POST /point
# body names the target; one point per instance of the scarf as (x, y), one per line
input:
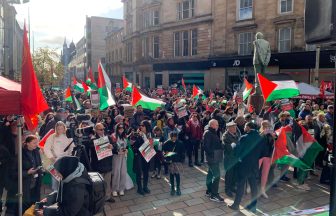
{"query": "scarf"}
(77, 173)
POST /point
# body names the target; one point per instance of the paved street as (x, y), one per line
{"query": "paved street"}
(282, 199)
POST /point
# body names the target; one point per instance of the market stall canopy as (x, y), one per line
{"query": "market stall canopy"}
(311, 92)
(10, 97)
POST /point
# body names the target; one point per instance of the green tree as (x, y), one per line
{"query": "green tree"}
(49, 70)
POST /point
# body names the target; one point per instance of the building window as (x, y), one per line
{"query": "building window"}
(245, 43)
(185, 43)
(185, 9)
(145, 47)
(194, 35)
(156, 47)
(156, 17)
(129, 49)
(284, 40)
(245, 9)
(286, 6)
(177, 44)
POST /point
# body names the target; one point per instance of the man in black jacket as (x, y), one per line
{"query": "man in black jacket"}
(248, 152)
(213, 149)
(73, 196)
(103, 166)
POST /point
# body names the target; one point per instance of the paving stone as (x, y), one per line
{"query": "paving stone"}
(177, 205)
(213, 212)
(117, 211)
(195, 208)
(194, 201)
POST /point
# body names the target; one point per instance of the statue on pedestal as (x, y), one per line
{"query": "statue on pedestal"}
(261, 58)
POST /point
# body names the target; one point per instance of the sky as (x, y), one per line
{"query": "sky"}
(53, 20)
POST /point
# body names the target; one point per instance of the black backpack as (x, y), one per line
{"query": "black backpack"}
(97, 191)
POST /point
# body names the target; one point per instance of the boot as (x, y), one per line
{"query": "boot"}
(172, 186)
(178, 179)
(140, 190)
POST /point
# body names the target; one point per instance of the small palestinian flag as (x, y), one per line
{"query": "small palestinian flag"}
(67, 95)
(144, 101)
(127, 85)
(183, 84)
(277, 89)
(78, 86)
(196, 91)
(247, 89)
(90, 81)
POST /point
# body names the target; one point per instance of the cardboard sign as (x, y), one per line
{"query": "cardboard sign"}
(118, 89)
(159, 90)
(94, 97)
(101, 147)
(147, 151)
(51, 169)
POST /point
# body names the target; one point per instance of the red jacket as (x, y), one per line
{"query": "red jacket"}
(194, 132)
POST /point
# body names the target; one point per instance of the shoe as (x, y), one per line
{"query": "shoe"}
(216, 198)
(158, 177)
(285, 179)
(304, 187)
(229, 194)
(207, 193)
(178, 192)
(233, 207)
(191, 164)
(114, 193)
(154, 175)
(274, 186)
(172, 192)
(251, 208)
(146, 190)
(141, 192)
(121, 193)
(110, 200)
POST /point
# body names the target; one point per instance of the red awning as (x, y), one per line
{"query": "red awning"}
(10, 97)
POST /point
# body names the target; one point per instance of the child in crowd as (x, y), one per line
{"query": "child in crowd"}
(174, 153)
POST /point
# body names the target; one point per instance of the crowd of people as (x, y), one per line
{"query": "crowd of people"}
(215, 132)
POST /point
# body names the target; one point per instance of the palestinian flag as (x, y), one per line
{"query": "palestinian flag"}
(44, 139)
(78, 86)
(67, 95)
(90, 81)
(301, 152)
(86, 88)
(277, 89)
(130, 159)
(183, 84)
(144, 101)
(127, 85)
(246, 89)
(104, 89)
(196, 91)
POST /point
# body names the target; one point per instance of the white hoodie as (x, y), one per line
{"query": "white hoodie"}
(55, 145)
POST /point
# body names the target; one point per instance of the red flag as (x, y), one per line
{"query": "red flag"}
(91, 76)
(136, 96)
(266, 86)
(32, 99)
(44, 139)
(322, 89)
(125, 82)
(183, 84)
(280, 146)
(195, 91)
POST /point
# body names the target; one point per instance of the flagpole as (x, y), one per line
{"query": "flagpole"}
(332, 209)
(20, 191)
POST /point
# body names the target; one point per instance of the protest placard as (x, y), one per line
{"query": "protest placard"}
(147, 151)
(94, 99)
(101, 147)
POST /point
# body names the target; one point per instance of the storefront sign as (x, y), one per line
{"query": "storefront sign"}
(236, 63)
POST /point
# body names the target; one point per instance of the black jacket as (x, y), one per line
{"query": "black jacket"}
(212, 142)
(101, 166)
(249, 152)
(177, 147)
